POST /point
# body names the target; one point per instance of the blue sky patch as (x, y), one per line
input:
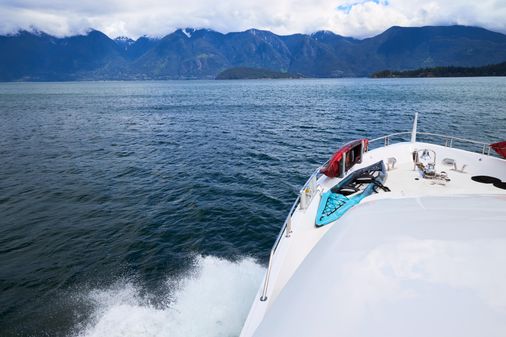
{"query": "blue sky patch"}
(346, 8)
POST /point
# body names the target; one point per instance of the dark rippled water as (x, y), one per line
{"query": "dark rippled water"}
(149, 202)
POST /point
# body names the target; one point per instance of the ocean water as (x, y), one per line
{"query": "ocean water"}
(149, 208)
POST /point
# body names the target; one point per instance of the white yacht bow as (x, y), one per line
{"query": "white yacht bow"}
(424, 257)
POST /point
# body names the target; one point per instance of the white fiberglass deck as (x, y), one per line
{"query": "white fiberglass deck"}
(404, 182)
(424, 266)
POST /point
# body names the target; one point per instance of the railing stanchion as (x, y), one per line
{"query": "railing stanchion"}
(343, 165)
(263, 298)
(414, 129)
(288, 227)
(361, 152)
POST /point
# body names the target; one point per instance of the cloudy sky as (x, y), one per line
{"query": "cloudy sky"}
(133, 18)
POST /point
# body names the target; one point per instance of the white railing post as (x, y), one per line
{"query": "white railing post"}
(343, 165)
(361, 151)
(413, 131)
(288, 227)
(263, 298)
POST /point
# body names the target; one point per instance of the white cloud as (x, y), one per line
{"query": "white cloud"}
(359, 18)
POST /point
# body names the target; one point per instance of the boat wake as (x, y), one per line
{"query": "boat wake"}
(213, 301)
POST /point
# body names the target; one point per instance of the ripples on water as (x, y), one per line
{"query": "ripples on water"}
(112, 194)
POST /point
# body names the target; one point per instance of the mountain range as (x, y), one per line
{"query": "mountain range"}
(203, 53)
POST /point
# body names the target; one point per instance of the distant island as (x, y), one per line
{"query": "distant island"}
(246, 73)
(489, 70)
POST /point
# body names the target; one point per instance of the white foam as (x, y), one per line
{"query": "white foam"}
(214, 301)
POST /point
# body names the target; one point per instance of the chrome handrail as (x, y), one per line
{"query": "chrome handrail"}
(388, 136)
(448, 140)
(287, 228)
(452, 137)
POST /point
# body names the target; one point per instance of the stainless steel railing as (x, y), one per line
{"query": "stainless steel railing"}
(286, 229)
(287, 225)
(448, 140)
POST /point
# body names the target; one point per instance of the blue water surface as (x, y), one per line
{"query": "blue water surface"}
(101, 181)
